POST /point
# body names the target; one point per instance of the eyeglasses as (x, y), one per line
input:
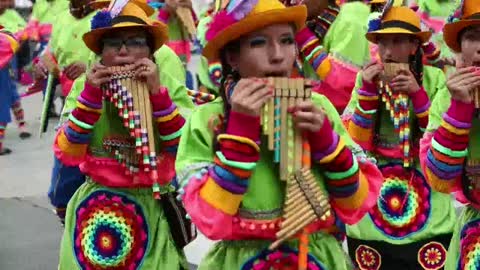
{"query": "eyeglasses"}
(131, 43)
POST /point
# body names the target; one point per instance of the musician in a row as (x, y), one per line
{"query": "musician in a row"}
(387, 116)
(232, 186)
(450, 148)
(123, 135)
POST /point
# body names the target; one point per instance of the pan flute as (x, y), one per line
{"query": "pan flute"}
(398, 106)
(305, 202)
(185, 16)
(476, 98)
(132, 99)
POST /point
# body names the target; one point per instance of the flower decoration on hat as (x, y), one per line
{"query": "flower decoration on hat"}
(374, 24)
(457, 14)
(104, 17)
(228, 13)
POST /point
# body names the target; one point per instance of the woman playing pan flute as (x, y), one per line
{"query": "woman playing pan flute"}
(450, 150)
(387, 115)
(113, 221)
(232, 190)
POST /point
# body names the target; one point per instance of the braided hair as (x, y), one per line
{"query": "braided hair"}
(228, 74)
(416, 64)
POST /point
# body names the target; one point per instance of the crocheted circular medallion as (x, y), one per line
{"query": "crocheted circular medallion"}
(215, 72)
(283, 258)
(432, 256)
(110, 232)
(404, 205)
(367, 258)
(470, 246)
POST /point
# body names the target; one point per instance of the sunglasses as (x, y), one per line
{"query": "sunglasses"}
(131, 43)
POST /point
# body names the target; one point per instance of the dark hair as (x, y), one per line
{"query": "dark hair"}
(227, 74)
(463, 31)
(416, 62)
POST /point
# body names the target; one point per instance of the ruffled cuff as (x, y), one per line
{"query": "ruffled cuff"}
(213, 223)
(351, 210)
(243, 125)
(74, 157)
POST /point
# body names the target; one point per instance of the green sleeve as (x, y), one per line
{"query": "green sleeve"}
(71, 99)
(333, 117)
(36, 9)
(439, 104)
(195, 150)
(170, 63)
(352, 104)
(346, 37)
(172, 76)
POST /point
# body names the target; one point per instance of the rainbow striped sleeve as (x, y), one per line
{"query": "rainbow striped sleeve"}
(313, 51)
(169, 121)
(344, 182)
(227, 179)
(73, 138)
(421, 106)
(361, 125)
(446, 155)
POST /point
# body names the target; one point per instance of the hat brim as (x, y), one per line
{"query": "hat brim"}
(296, 15)
(99, 4)
(93, 38)
(452, 30)
(424, 36)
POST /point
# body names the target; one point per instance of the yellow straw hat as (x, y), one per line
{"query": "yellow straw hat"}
(377, 1)
(467, 15)
(131, 15)
(398, 20)
(100, 4)
(236, 18)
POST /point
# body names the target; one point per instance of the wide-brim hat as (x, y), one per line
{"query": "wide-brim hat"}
(466, 16)
(399, 20)
(100, 4)
(377, 1)
(131, 16)
(245, 17)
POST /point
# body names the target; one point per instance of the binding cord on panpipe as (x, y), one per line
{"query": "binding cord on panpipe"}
(476, 98)
(305, 202)
(132, 99)
(398, 105)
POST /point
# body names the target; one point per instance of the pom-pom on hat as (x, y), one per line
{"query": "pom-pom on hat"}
(125, 14)
(236, 18)
(397, 20)
(468, 14)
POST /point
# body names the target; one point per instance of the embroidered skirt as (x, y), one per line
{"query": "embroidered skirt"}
(464, 250)
(107, 228)
(428, 254)
(325, 253)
